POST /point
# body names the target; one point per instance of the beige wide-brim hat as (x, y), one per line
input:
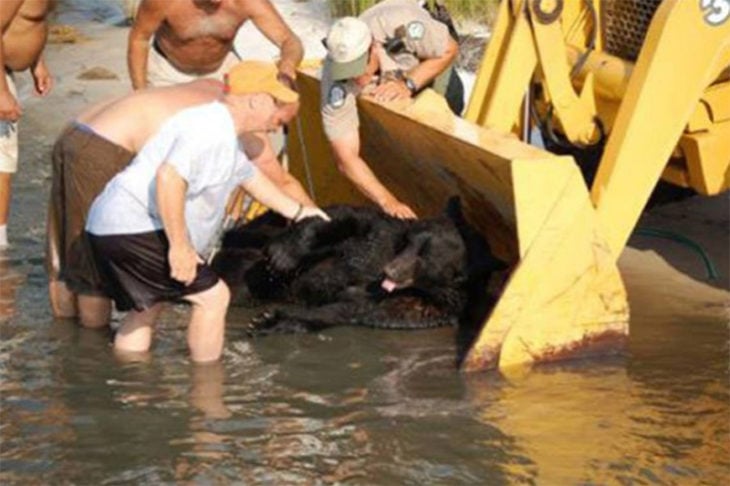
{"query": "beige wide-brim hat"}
(258, 77)
(348, 43)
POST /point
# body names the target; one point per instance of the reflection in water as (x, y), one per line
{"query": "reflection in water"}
(662, 416)
(204, 447)
(206, 392)
(10, 280)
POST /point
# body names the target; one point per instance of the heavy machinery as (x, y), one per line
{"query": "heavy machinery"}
(650, 79)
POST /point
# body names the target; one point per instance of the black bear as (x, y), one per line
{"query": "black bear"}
(361, 268)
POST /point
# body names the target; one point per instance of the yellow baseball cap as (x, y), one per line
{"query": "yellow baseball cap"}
(348, 43)
(258, 77)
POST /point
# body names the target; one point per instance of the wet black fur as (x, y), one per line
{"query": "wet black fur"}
(322, 274)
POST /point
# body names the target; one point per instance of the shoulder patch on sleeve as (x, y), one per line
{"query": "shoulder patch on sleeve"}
(336, 95)
(416, 30)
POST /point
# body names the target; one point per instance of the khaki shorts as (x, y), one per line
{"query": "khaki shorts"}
(83, 163)
(161, 73)
(9, 137)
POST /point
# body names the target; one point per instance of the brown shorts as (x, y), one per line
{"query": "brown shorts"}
(83, 163)
(136, 271)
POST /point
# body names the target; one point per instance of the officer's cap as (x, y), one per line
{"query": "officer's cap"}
(348, 43)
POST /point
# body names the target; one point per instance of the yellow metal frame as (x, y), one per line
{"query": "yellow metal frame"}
(680, 59)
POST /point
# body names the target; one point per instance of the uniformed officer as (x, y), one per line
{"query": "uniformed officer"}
(392, 51)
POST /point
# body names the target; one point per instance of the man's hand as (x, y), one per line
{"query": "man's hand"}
(311, 212)
(391, 90)
(267, 20)
(287, 78)
(9, 107)
(183, 263)
(42, 78)
(398, 210)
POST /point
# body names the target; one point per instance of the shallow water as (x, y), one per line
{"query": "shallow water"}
(366, 406)
(346, 405)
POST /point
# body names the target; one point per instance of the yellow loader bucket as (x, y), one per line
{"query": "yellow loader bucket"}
(564, 296)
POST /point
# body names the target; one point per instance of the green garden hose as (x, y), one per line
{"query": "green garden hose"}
(676, 237)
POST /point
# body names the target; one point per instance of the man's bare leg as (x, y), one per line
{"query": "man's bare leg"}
(95, 311)
(208, 322)
(206, 393)
(5, 180)
(63, 301)
(135, 333)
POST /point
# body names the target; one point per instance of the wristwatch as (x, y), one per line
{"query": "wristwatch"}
(411, 85)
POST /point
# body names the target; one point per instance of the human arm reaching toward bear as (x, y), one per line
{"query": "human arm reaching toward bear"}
(349, 162)
(267, 193)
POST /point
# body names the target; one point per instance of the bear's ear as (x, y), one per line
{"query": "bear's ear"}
(478, 249)
(453, 211)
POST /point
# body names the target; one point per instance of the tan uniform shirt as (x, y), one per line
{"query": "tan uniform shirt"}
(423, 38)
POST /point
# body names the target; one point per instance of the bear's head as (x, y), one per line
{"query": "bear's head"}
(445, 250)
(432, 253)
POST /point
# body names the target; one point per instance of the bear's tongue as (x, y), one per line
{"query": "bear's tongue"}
(388, 285)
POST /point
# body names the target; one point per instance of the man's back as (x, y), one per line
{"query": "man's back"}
(200, 142)
(148, 109)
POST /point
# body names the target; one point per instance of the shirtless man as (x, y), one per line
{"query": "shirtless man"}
(24, 30)
(194, 38)
(182, 40)
(98, 144)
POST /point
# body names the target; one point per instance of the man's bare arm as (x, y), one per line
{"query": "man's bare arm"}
(267, 193)
(171, 188)
(150, 15)
(267, 20)
(429, 69)
(259, 150)
(9, 107)
(349, 163)
(42, 79)
(421, 75)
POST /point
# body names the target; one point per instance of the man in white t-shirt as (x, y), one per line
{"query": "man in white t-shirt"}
(154, 224)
